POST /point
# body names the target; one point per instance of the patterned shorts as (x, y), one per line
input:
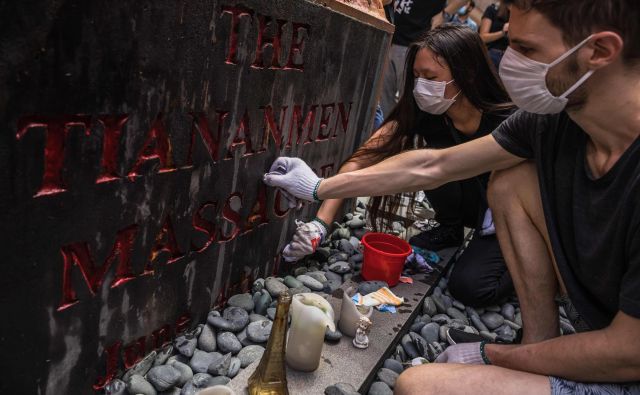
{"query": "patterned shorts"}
(565, 387)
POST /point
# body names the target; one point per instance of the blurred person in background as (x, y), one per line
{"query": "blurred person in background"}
(494, 30)
(462, 16)
(412, 19)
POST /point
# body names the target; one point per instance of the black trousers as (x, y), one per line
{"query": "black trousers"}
(480, 276)
(457, 203)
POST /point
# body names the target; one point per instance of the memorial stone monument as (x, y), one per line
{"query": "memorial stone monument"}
(134, 136)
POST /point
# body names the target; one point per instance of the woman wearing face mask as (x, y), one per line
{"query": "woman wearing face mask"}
(451, 95)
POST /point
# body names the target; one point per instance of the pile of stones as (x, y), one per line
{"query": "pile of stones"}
(215, 352)
(427, 337)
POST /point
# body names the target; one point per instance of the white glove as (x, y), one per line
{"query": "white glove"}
(467, 353)
(295, 177)
(307, 238)
(292, 202)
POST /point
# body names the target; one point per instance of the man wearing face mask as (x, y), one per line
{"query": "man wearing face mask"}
(462, 16)
(565, 198)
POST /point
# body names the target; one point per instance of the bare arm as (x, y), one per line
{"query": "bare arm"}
(420, 169)
(437, 20)
(330, 207)
(485, 27)
(476, 15)
(608, 355)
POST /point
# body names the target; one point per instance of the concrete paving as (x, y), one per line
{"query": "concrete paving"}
(342, 362)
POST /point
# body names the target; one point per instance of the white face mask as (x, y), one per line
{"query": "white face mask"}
(430, 98)
(526, 82)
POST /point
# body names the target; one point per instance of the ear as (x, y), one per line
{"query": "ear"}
(607, 48)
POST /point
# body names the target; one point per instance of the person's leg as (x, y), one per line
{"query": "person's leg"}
(446, 202)
(454, 379)
(472, 204)
(480, 277)
(514, 197)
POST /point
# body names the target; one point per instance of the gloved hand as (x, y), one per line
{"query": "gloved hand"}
(468, 353)
(295, 177)
(307, 238)
(292, 202)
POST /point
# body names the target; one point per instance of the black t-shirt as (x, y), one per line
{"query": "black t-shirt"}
(497, 24)
(594, 224)
(413, 18)
(437, 133)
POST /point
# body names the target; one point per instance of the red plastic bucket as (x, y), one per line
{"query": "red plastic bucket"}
(384, 257)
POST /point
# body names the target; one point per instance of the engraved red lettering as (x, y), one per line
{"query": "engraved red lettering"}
(134, 352)
(258, 215)
(307, 124)
(232, 216)
(274, 42)
(182, 323)
(77, 254)
(236, 12)
(244, 130)
(276, 265)
(277, 204)
(156, 147)
(221, 299)
(165, 243)
(204, 226)
(113, 125)
(113, 353)
(297, 46)
(56, 130)
(325, 118)
(201, 126)
(161, 337)
(271, 128)
(343, 117)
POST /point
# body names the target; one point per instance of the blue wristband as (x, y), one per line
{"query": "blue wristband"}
(485, 359)
(315, 190)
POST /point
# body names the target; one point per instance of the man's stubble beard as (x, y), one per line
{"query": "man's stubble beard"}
(563, 78)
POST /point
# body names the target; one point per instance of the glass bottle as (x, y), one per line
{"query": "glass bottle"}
(270, 377)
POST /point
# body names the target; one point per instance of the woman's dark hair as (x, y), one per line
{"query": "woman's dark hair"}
(463, 51)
